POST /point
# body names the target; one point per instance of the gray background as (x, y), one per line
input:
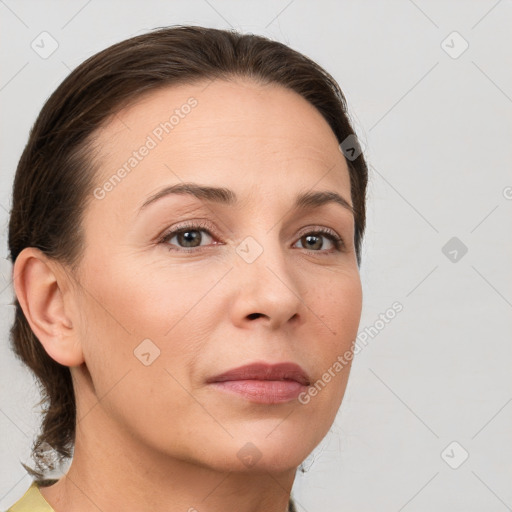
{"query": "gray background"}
(437, 127)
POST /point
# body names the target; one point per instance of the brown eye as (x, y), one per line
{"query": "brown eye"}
(187, 237)
(312, 242)
(315, 241)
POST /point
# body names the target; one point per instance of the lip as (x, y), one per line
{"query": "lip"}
(262, 382)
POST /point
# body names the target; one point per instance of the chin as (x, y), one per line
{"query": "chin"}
(273, 449)
(251, 453)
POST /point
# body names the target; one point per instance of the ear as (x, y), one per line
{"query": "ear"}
(42, 293)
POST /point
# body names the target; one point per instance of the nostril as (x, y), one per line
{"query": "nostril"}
(252, 316)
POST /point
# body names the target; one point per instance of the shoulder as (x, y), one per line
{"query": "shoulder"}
(31, 501)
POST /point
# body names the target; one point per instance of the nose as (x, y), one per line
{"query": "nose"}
(268, 291)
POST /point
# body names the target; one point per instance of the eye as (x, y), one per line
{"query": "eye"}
(313, 241)
(189, 236)
(193, 236)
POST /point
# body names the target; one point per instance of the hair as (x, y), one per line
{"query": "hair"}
(55, 175)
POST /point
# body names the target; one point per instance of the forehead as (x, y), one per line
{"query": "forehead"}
(239, 133)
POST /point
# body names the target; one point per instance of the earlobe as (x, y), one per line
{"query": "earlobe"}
(40, 292)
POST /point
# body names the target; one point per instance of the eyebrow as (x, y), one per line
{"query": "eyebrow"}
(226, 196)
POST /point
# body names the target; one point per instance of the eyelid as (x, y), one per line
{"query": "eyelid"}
(199, 225)
(319, 229)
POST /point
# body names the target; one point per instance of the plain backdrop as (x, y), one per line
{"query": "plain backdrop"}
(426, 419)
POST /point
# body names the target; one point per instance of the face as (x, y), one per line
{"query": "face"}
(199, 282)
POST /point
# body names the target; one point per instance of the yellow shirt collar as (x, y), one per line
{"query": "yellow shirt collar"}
(31, 501)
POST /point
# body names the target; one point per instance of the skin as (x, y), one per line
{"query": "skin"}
(157, 437)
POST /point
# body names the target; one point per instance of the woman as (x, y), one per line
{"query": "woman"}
(186, 230)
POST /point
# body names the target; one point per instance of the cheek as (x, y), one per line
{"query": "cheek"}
(146, 301)
(155, 316)
(347, 308)
(141, 339)
(338, 305)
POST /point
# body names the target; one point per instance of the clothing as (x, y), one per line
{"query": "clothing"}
(33, 501)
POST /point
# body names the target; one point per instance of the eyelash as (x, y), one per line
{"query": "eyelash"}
(337, 241)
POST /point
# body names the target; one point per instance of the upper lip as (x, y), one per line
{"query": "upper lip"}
(265, 371)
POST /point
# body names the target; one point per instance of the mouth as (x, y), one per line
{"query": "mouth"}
(263, 382)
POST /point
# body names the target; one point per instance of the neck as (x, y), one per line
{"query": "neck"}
(114, 471)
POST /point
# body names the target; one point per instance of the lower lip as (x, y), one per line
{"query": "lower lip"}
(263, 391)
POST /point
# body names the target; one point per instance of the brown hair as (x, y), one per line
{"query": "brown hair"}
(55, 175)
